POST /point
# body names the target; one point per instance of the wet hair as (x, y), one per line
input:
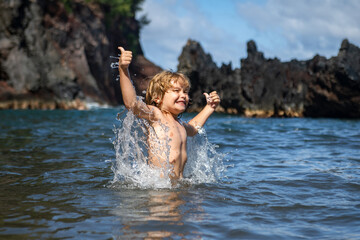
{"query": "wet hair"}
(162, 82)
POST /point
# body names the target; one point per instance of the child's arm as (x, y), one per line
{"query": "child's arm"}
(131, 102)
(199, 120)
(127, 89)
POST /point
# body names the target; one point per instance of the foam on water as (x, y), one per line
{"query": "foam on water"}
(131, 168)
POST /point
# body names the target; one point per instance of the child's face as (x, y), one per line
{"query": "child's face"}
(176, 98)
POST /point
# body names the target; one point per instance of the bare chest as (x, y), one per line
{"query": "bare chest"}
(174, 131)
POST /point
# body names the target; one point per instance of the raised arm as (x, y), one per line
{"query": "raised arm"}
(200, 119)
(127, 89)
(128, 92)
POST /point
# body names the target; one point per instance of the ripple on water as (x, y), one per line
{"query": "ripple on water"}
(285, 179)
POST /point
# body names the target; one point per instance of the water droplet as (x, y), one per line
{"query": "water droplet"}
(114, 65)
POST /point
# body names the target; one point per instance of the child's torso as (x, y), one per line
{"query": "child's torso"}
(167, 143)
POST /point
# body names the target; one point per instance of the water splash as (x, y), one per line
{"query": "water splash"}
(115, 65)
(131, 168)
(205, 164)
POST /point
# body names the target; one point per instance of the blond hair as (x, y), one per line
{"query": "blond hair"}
(162, 82)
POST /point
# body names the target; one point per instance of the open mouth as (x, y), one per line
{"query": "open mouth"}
(181, 102)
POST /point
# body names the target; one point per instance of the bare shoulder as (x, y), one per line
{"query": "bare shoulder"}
(155, 113)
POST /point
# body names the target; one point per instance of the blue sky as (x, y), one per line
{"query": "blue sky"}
(285, 29)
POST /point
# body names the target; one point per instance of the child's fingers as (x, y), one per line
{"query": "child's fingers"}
(214, 96)
(207, 96)
(125, 57)
(125, 53)
(212, 99)
(121, 49)
(216, 99)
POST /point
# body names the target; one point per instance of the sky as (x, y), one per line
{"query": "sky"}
(286, 29)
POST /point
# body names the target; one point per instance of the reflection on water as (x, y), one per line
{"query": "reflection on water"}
(158, 213)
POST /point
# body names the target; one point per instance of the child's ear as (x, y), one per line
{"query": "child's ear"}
(157, 100)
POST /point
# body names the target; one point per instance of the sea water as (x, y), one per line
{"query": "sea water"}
(283, 179)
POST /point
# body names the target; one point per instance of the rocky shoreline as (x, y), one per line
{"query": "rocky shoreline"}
(262, 87)
(51, 58)
(42, 104)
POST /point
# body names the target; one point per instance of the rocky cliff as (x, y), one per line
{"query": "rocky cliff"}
(263, 87)
(51, 57)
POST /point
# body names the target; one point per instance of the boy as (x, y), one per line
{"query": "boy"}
(166, 98)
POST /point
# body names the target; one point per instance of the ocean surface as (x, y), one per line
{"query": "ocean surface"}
(80, 175)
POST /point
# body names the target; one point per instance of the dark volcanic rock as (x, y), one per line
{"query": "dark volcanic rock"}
(53, 55)
(269, 88)
(272, 88)
(52, 58)
(334, 89)
(205, 76)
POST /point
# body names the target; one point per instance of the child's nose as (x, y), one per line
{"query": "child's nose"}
(183, 94)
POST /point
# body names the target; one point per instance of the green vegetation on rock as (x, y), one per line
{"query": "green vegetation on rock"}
(117, 15)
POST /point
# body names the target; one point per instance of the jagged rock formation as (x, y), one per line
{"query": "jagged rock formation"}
(262, 87)
(52, 58)
(334, 87)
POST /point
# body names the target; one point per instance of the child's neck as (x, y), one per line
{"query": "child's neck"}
(167, 113)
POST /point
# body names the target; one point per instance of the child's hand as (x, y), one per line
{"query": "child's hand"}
(125, 58)
(212, 99)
